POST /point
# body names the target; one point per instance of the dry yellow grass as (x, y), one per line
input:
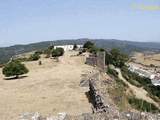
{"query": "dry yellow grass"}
(48, 89)
(147, 59)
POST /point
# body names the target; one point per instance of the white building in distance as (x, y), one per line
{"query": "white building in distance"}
(140, 71)
(67, 47)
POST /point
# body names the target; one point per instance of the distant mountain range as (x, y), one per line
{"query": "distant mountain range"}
(126, 46)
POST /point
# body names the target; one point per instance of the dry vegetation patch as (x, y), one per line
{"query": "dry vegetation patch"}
(147, 59)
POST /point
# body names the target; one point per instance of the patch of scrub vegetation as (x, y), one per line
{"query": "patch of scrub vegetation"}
(91, 47)
(51, 51)
(118, 91)
(14, 68)
(116, 58)
(57, 52)
(75, 47)
(34, 57)
(22, 59)
(48, 51)
(112, 72)
(118, 95)
(142, 105)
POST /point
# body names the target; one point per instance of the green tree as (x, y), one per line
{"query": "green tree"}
(117, 58)
(93, 49)
(39, 52)
(88, 45)
(57, 52)
(108, 58)
(14, 68)
(75, 47)
(48, 51)
(34, 57)
(51, 47)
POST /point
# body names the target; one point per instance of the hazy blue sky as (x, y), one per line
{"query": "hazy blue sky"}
(25, 21)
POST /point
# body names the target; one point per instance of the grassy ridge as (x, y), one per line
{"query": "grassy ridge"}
(7, 52)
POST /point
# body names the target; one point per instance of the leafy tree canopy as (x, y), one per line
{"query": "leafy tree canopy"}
(14, 68)
(88, 45)
(48, 51)
(116, 58)
(93, 49)
(75, 47)
(34, 57)
(57, 52)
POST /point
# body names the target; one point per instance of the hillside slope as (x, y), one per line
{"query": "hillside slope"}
(126, 46)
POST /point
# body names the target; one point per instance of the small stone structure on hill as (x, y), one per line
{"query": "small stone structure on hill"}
(97, 59)
(67, 47)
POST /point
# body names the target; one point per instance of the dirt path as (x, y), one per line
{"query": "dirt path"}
(138, 92)
(50, 88)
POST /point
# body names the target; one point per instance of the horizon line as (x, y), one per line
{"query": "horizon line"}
(92, 39)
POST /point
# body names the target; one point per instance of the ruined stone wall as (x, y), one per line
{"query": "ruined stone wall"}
(91, 61)
(101, 60)
(97, 60)
(96, 98)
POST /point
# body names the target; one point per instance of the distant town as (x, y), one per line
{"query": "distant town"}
(151, 73)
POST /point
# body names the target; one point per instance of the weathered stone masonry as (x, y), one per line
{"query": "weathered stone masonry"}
(96, 98)
(97, 60)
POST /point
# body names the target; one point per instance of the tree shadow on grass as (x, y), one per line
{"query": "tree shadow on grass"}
(15, 78)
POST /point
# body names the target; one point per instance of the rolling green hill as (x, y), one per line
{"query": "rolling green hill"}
(126, 46)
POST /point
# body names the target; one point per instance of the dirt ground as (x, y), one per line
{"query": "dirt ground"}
(50, 88)
(147, 59)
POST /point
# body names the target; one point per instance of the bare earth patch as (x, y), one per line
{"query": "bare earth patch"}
(147, 59)
(50, 88)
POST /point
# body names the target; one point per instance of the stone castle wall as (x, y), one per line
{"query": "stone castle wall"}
(97, 60)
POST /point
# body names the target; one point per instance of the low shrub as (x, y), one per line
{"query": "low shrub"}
(112, 72)
(57, 52)
(142, 105)
(34, 57)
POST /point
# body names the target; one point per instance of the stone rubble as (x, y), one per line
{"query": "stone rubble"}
(99, 116)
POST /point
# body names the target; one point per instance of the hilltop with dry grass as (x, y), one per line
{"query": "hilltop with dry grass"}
(147, 59)
(54, 86)
(50, 88)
